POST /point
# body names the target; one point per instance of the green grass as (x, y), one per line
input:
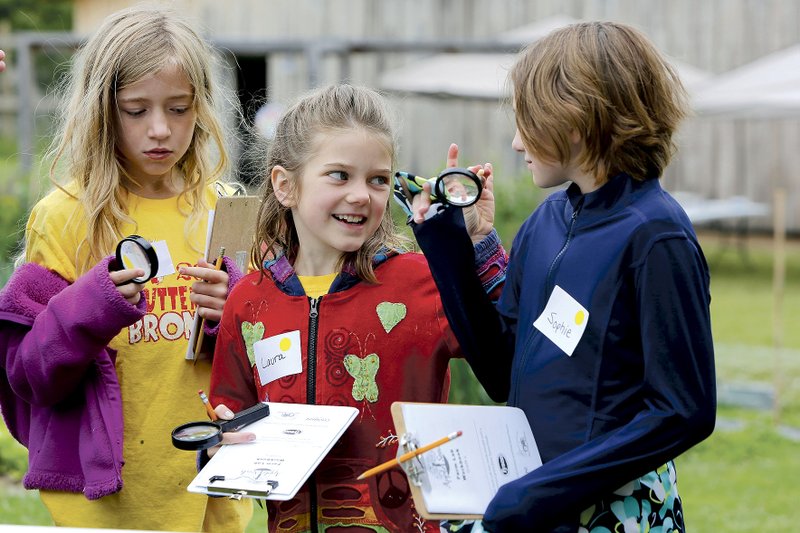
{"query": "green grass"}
(741, 480)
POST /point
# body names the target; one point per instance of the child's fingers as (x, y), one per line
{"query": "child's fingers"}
(488, 184)
(121, 276)
(452, 156)
(231, 438)
(211, 274)
(210, 290)
(129, 291)
(235, 437)
(421, 203)
(213, 314)
(223, 412)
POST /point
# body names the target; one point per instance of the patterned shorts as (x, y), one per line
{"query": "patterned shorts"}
(650, 503)
(647, 504)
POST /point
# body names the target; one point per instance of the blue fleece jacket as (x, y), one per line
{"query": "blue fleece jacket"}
(639, 388)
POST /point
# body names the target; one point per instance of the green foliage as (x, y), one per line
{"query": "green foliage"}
(515, 200)
(33, 15)
(40, 16)
(464, 386)
(12, 212)
(13, 456)
(21, 507)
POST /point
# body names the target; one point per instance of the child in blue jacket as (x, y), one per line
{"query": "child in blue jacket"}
(602, 333)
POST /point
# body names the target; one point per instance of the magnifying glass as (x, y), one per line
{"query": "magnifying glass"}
(135, 251)
(205, 434)
(455, 186)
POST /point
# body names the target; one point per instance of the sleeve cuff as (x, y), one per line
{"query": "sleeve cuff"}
(234, 275)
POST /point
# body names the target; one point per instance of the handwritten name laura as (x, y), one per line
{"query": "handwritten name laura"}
(267, 362)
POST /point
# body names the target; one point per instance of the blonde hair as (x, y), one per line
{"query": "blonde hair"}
(129, 46)
(330, 109)
(607, 82)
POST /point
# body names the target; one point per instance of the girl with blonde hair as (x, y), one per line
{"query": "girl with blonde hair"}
(96, 368)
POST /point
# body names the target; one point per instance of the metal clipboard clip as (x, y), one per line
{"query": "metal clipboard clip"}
(413, 468)
(238, 494)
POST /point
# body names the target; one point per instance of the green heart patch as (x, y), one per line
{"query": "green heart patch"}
(252, 333)
(390, 314)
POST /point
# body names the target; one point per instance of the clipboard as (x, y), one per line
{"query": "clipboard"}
(290, 443)
(456, 481)
(232, 226)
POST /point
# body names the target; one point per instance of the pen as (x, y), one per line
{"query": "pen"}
(200, 334)
(409, 455)
(210, 410)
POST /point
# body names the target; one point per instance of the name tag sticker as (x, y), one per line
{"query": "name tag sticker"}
(278, 356)
(563, 320)
(165, 265)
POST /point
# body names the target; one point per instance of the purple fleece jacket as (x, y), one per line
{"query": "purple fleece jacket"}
(59, 392)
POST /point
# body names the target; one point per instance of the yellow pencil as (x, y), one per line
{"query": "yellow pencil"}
(409, 455)
(200, 334)
(210, 410)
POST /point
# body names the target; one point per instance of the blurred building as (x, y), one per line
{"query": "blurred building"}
(275, 50)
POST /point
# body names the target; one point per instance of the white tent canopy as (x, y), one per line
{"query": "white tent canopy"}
(484, 76)
(468, 75)
(769, 87)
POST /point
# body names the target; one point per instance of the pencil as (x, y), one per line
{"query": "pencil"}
(409, 455)
(210, 410)
(200, 334)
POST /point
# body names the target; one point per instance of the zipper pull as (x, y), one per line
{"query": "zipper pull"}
(314, 308)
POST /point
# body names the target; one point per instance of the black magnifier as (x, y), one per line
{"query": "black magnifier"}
(135, 251)
(455, 186)
(205, 434)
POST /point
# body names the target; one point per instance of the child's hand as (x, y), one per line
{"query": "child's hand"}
(230, 437)
(479, 218)
(209, 294)
(2, 63)
(129, 291)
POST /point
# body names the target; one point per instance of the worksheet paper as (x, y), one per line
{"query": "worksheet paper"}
(290, 443)
(462, 476)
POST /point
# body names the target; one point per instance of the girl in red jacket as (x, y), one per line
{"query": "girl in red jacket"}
(366, 317)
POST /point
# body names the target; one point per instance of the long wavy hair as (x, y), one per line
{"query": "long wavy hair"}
(129, 46)
(329, 109)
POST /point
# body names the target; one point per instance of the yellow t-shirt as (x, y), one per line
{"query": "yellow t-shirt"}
(159, 386)
(316, 286)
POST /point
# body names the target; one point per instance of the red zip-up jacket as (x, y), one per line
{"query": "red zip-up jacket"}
(364, 345)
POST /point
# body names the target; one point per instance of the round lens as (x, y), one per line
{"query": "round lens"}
(196, 436)
(133, 256)
(136, 252)
(458, 189)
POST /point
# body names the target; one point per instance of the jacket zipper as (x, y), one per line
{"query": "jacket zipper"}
(549, 284)
(549, 280)
(311, 393)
